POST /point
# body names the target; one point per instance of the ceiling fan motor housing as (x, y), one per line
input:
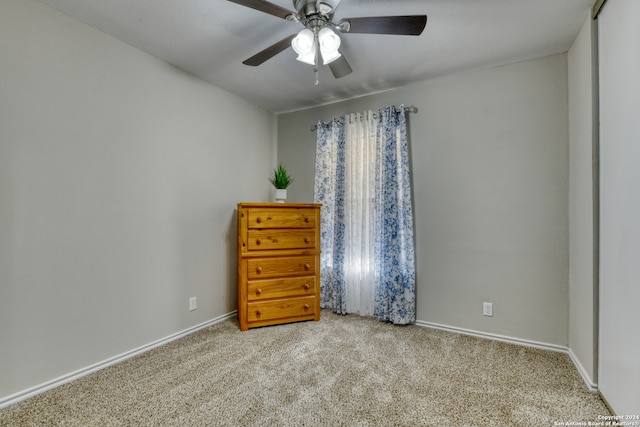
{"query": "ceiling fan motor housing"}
(305, 8)
(309, 10)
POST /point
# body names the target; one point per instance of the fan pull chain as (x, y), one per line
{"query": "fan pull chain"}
(315, 62)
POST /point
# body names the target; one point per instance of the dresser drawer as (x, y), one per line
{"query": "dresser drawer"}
(280, 238)
(281, 218)
(281, 308)
(259, 268)
(281, 288)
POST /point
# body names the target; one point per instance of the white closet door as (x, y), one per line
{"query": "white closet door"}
(619, 337)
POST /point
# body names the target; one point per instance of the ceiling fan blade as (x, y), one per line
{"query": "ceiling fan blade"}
(269, 52)
(411, 25)
(340, 67)
(266, 7)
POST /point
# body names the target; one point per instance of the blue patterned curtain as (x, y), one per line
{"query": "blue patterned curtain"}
(394, 250)
(329, 190)
(363, 180)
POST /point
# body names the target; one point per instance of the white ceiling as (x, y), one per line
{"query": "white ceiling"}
(211, 38)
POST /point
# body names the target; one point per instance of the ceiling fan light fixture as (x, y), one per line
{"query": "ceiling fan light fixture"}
(328, 58)
(303, 43)
(329, 43)
(309, 58)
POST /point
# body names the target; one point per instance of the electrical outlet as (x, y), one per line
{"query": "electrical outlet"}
(487, 309)
(193, 303)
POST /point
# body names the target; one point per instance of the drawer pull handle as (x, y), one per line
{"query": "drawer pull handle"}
(306, 240)
(258, 291)
(306, 220)
(307, 266)
(258, 270)
(258, 220)
(306, 306)
(258, 313)
(258, 242)
(307, 286)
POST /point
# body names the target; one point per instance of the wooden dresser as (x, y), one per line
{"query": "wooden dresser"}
(278, 263)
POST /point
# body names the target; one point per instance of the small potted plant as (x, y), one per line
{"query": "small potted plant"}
(281, 179)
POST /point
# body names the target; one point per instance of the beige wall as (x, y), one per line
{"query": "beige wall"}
(119, 177)
(490, 174)
(582, 287)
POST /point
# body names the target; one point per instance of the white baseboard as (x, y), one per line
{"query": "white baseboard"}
(593, 387)
(518, 341)
(32, 391)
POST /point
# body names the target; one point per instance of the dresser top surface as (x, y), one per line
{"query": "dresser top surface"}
(277, 205)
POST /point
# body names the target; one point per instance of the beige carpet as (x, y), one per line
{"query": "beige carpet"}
(341, 371)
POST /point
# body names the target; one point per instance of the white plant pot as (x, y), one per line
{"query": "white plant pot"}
(281, 195)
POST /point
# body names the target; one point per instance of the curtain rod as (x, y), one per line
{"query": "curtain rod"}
(409, 109)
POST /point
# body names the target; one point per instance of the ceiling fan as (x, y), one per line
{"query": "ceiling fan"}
(319, 38)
